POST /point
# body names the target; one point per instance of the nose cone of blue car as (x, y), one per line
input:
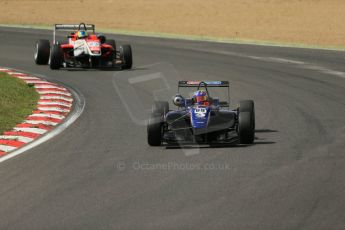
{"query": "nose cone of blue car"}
(199, 117)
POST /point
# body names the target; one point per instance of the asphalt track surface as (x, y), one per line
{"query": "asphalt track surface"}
(101, 174)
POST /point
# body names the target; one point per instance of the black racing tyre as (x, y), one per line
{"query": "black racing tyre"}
(56, 57)
(111, 42)
(247, 106)
(160, 107)
(126, 56)
(42, 52)
(154, 130)
(246, 130)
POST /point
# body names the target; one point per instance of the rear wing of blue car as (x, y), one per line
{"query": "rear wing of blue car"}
(208, 84)
(203, 83)
(72, 27)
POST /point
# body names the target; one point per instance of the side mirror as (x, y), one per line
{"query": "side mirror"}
(178, 100)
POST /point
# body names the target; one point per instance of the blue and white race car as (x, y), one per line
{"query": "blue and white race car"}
(201, 119)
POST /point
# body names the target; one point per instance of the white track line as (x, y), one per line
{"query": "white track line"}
(14, 73)
(55, 109)
(55, 103)
(297, 63)
(55, 116)
(54, 92)
(17, 138)
(142, 78)
(36, 122)
(34, 79)
(31, 130)
(70, 99)
(49, 87)
(6, 148)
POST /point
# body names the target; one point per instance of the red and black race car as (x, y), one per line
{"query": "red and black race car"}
(84, 49)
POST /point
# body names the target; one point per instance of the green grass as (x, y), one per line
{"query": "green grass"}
(17, 101)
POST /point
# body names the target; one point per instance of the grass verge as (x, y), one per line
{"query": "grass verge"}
(17, 101)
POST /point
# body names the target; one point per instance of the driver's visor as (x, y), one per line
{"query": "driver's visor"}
(201, 98)
(81, 33)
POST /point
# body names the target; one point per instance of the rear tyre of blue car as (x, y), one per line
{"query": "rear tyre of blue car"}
(42, 52)
(248, 106)
(246, 122)
(246, 128)
(56, 57)
(154, 130)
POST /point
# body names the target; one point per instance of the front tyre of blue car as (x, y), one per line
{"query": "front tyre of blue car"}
(154, 130)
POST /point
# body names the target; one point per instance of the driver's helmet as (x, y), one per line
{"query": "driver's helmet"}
(200, 97)
(82, 34)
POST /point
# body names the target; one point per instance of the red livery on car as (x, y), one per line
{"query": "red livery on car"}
(84, 48)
